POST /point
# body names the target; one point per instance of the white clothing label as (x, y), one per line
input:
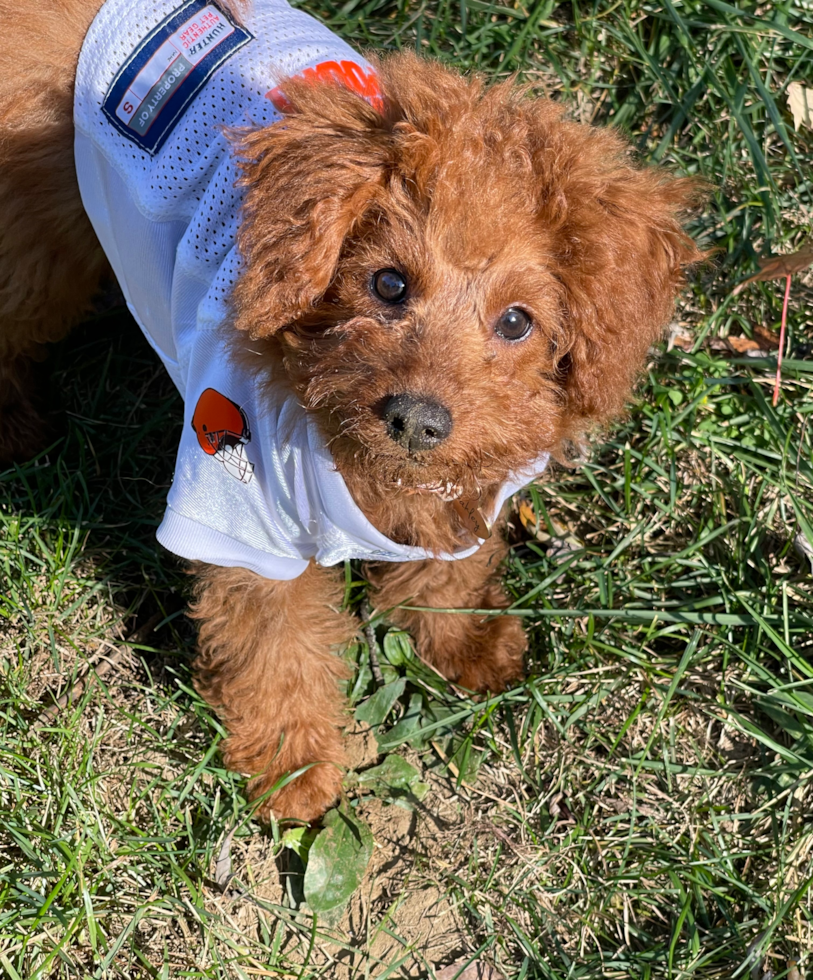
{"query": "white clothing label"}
(167, 69)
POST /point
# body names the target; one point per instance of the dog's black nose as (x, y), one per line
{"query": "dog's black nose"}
(416, 423)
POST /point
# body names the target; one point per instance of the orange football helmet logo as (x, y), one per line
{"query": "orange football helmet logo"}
(223, 432)
(345, 73)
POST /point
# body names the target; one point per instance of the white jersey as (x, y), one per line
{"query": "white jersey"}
(157, 83)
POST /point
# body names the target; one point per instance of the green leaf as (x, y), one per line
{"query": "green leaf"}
(398, 648)
(299, 840)
(406, 728)
(783, 719)
(376, 708)
(393, 774)
(337, 861)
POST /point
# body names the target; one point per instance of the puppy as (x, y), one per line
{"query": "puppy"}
(388, 294)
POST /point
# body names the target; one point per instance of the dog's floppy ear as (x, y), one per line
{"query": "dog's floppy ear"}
(619, 251)
(309, 179)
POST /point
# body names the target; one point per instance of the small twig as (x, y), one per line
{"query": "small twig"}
(97, 670)
(781, 342)
(372, 646)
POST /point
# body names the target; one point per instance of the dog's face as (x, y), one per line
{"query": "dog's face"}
(435, 351)
(460, 285)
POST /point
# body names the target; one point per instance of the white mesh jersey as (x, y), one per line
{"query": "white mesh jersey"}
(157, 82)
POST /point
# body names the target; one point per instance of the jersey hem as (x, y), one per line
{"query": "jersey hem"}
(196, 542)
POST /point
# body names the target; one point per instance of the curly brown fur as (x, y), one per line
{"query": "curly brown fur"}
(267, 664)
(477, 652)
(485, 198)
(50, 261)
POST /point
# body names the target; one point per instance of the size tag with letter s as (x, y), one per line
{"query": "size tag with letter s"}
(167, 69)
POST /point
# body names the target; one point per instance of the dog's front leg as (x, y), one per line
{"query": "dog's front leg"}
(475, 651)
(268, 666)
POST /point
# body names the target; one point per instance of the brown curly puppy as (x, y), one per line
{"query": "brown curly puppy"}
(521, 266)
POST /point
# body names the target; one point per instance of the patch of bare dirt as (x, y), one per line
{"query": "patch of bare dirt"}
(398, 915)
(361, 745)
(399, 909)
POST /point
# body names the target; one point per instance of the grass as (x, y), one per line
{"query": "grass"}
(641, 806)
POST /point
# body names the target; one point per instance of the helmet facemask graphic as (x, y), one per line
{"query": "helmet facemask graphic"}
(223, 432)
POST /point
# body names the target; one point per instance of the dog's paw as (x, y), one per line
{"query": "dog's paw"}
(305, 798)
(495, 660)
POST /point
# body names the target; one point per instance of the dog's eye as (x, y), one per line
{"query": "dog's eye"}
(514, 324)
(390, 285)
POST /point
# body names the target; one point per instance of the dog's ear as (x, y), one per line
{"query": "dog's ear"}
(309, 180)
(619, 251)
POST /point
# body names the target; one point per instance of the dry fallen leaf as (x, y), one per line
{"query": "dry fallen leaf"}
(528, 516)
(768, 340)
(223, 873)
(800, 103)
(739, 345)
(743, 344)
(559, 810)
(682, 341)
(793, 973)
(679, 337)
(803, 548)
(474, 971)
(561, 546)
(781, 266)
(558, 545)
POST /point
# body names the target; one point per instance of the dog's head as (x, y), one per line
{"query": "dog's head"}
(459, 283)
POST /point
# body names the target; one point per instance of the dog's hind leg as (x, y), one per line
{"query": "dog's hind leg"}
(50, 260)
(478, 652)
(268, 666)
